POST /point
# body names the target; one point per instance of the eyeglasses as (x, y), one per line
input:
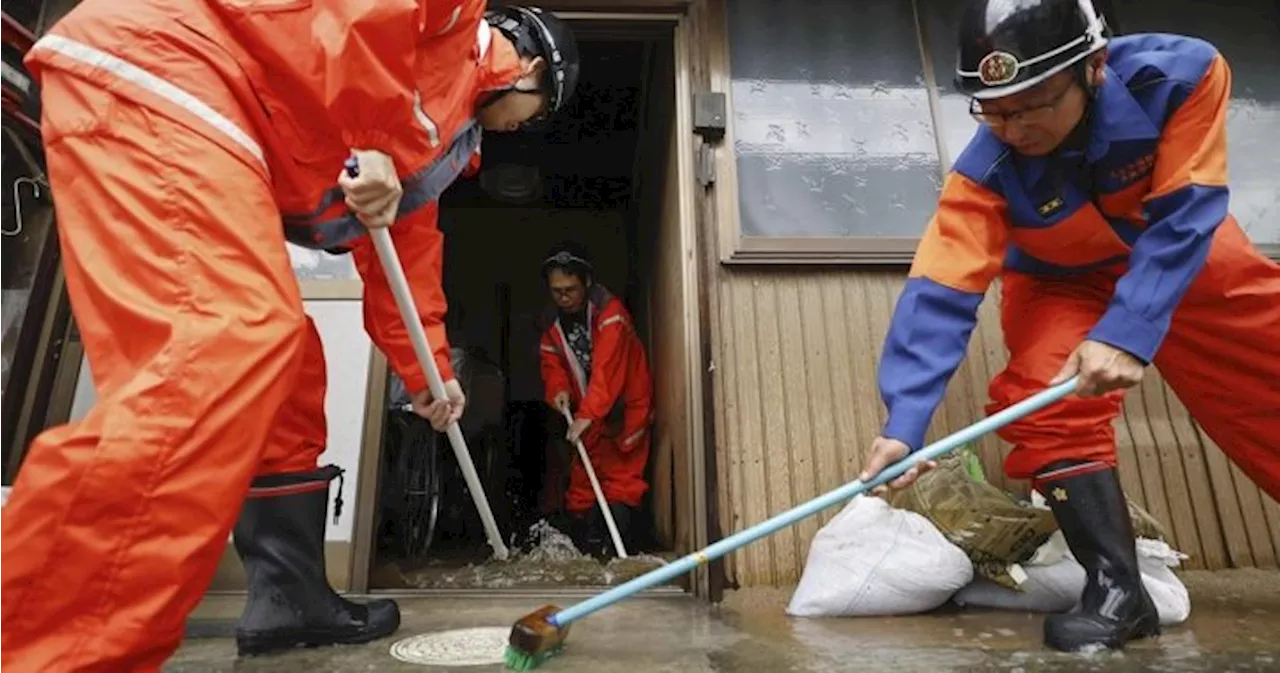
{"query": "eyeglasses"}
(1030, 115)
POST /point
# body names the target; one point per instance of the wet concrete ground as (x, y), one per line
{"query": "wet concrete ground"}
(1234, 628)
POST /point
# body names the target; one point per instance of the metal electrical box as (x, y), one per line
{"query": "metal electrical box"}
(709, 115)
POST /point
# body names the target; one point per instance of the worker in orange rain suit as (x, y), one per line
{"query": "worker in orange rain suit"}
(594, 363)
(179, 135)
(523, 36)
(1098, 183)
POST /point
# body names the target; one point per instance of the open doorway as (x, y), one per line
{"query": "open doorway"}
(604, 175)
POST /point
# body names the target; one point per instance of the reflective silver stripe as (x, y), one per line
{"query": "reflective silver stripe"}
(550, 349)
(433, 133)
(453, 19)
(610, 321)
(101, 60)
(484, 35)
(574, 365)
(633, 437)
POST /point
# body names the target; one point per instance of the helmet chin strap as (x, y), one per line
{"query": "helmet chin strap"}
(1078, 138)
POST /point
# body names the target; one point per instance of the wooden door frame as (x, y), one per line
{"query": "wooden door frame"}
(685, 49)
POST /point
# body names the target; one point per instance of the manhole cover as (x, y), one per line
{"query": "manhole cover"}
(460, 647)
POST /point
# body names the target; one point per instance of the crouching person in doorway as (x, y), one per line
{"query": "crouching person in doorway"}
(594, 364)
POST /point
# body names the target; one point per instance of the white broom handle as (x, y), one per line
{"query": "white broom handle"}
(418, 337)
(595, 486)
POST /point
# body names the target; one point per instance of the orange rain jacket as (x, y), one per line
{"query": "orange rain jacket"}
(616, 394)
(290, 88)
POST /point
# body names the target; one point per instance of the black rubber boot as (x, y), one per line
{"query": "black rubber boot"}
(1091, 511)
(280, 540)
(600, 541)
(623, 515)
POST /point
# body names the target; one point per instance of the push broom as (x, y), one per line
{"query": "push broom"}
(595, 486)
(418, 337)
(541, 634)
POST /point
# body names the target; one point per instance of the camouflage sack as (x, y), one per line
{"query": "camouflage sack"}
(993, 529)
(996, 531)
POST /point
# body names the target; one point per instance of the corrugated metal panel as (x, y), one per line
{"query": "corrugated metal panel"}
(795, 379)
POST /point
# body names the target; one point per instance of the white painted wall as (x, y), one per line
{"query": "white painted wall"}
(347, 349)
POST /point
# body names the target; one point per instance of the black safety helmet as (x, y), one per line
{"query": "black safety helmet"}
(1008, 46)
(536, 32)
(570, 258)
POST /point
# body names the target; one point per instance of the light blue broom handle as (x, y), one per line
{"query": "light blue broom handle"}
(842, 494)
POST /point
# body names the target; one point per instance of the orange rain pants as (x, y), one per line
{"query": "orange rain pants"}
(621, 473)
(192, 354)
(1221, 357)
(300, 431)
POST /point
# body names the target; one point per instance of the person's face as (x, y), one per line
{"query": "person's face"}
(1036, 121)
(519, 106)
(567, 291)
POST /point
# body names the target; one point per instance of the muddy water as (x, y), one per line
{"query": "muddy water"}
(551, 561)
(1234, 626)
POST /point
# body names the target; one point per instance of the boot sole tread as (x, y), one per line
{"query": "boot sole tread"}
(255, 645)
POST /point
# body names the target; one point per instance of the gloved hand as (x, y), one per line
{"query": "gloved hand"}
(441, 413)
(374, 192)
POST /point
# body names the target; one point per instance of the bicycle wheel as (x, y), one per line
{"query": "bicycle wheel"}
(417, 477)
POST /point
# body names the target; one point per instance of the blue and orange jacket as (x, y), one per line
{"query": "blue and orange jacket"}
(1148, 190)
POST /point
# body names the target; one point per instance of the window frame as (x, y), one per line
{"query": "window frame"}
(735, 247)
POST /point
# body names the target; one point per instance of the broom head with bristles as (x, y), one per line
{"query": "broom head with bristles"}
(534, 639)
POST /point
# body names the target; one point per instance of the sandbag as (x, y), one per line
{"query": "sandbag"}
(1054, 581)
(1157, 560)
(1144, 525)
(991, 527)
(1000, 534)
(1051, 582)
(872, 559)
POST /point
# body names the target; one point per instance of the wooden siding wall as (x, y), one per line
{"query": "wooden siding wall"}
(796, 385)
(794, 356)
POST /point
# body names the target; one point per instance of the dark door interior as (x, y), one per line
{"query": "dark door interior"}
(28, 250)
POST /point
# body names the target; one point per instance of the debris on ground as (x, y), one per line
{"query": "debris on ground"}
(550, 560)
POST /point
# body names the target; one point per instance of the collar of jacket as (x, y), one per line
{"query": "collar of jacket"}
(1114, 116)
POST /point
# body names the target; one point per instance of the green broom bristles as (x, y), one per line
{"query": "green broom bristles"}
(517, 660)
(534, 639)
